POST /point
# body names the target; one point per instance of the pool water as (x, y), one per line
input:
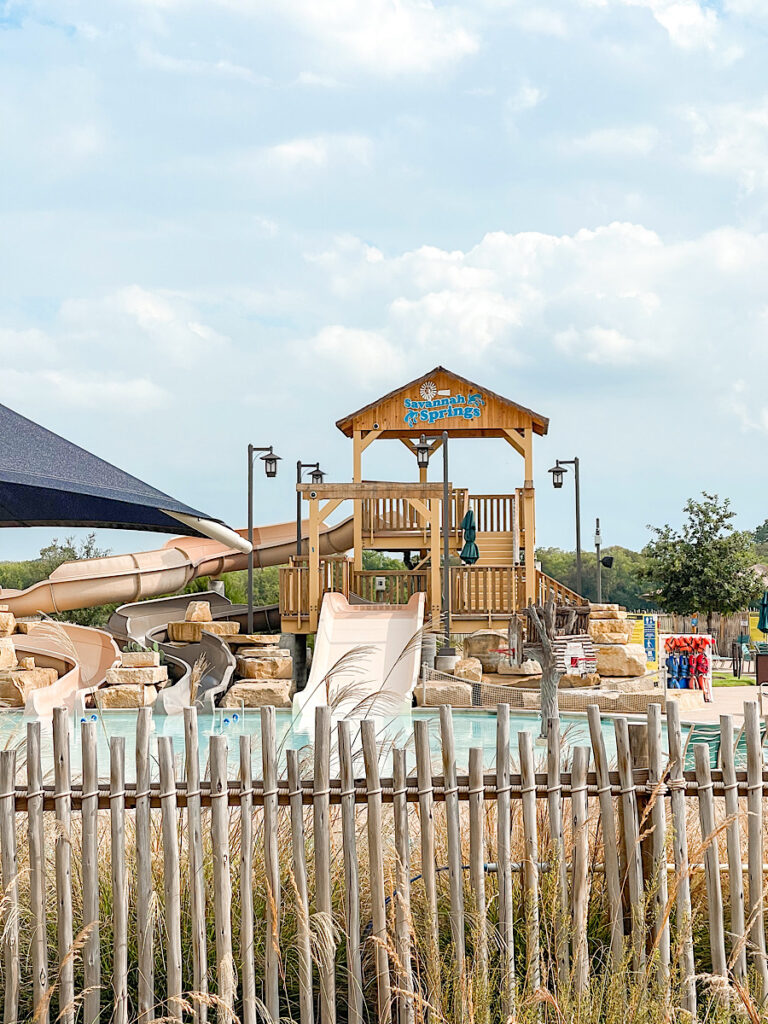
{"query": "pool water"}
(472, 728)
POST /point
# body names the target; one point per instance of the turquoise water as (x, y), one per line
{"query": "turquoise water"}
(472, 728)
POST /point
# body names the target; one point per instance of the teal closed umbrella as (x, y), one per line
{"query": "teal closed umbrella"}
(469, 552)
(762, 622)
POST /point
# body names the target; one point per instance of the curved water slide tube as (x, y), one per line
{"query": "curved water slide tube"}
(80, 654)
(127, 578)
(366, 659)
(218, 670)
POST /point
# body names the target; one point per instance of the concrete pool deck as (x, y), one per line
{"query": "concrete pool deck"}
(728, 700)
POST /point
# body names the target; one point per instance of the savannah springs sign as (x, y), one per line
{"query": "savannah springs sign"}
(434, 406)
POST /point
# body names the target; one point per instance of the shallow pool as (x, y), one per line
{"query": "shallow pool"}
(472, 728)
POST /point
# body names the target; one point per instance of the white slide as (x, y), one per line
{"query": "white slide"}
(366, 660)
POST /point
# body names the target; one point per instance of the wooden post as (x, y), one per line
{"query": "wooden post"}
(504, 861)
(90, 848)
(435, 558)
(119, 879)
(579, 810)
(755, 906)
(610, 849)
(63, 853)
(315, 584)
(529, 501)
(455, 873)
(171, 877)
(322, 830)
(10, 885)
(222, 880)
(554, 803)
(144, 894)
(711, 860)
(36, 840)
(271, 862)
(427, 835)
(631, 839)
(246, 881)
(357, 478)
(376, 862)
(735, 873)
(477, 869)
(658, 812)
(197, 886)
(680, 849)
(403, 883)
(531, 860)
(306, 1011)
(351, 874)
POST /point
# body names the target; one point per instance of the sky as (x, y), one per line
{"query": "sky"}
(235, 221)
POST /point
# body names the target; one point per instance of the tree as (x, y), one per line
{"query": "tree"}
(706, 566)
(623, 584)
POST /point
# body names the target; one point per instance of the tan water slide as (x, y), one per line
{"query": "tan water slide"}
(117, 579)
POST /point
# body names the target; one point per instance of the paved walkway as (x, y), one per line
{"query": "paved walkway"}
(729, 700)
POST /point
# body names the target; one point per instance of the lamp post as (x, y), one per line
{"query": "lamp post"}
(317, 478)
(448, 651)
(557, 471)
(270, 461)
(606, 561)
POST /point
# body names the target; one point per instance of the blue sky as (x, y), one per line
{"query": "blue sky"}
(240, 220)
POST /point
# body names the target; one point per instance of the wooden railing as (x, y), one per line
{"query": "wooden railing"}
(294, 584)
(400, 585)
(483, 590)
(494, 513)
(547, 589)
(397, 515)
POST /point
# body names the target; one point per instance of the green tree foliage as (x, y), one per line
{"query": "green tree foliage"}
(373, 560)
(761, 533)
(20, 575)
(706, 566)
(623, 584)
(266, 586)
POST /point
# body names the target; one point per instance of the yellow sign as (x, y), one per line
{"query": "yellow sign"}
(645, 631)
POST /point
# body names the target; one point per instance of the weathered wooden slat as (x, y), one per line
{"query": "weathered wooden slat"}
(9, 875)
(271, 862)
(733, 834)
(351, 874)
(376, 867)
(580, 877)
(477, 879)
(63, 855)
(322, 835)
(403, 925)
(531, 861)
(196, 867)
(711, 861)
(610, 849)
(90, 871)
(658, 821)
(755, 906)
(144, 892)
(453, 833)
(631, 840)
(306, 1002)
(427, 845)
(119, 879)
(680, 850)
(171, 879)
(222, 880)
(555, 809)
(504, 861)
(246, 882)
(37, 874)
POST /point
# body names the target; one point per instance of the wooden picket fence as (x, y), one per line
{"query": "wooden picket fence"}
(112, 910)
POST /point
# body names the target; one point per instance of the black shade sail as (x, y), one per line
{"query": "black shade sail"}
(46, 480)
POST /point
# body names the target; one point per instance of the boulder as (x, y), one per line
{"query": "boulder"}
(130, 695)
(470, 669)
(433, 694)
(7, 652)
(604, 608)
(27, 663)
(484, 645)
(621, 660)
(7, 623)
(263, 652)
(146, 676)
(198, 611)
(265, 667)
(192, 632)
(259, 639)
(611, 631)
(568, 681)
(140, 659)
(606, 614)
(529, 667)
(275, 693)
(16, 684)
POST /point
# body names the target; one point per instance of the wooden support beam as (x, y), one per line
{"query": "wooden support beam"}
(315, 588)
(374, 489)
(517, 439)
(328, 508)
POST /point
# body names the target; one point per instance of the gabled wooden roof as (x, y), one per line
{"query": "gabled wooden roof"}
(487, 414)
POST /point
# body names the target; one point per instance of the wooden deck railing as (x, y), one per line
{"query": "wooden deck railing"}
(400, 585)
(397, 515)
(483, 590)
(494, 513)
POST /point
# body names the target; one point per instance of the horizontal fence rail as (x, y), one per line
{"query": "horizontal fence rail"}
(363, 884)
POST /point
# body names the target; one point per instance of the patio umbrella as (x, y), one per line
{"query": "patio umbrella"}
(762, 622)
(469, 552)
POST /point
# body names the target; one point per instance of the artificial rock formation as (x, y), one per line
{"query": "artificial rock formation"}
(621, 659)
(16, 683)
(488, 646)
(140, 659)
(192, 632)
(146, 676)
(577, 682)
(7, 652)
(130, 695)
(266, 666)
(250, 694)
(527, 668)
(198, 611)
(7, 621)
(470, 669)
(611, 631)
(433, 694)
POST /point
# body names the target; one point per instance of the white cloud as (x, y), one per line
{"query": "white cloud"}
(602, 345)
(320, 150)
(731, 139)
(631, 141)
(526, 97)
(688, 23)
(188, 66)
(358, 354)
(83, 390)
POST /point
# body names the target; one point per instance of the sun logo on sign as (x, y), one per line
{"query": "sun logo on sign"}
(428, 390)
